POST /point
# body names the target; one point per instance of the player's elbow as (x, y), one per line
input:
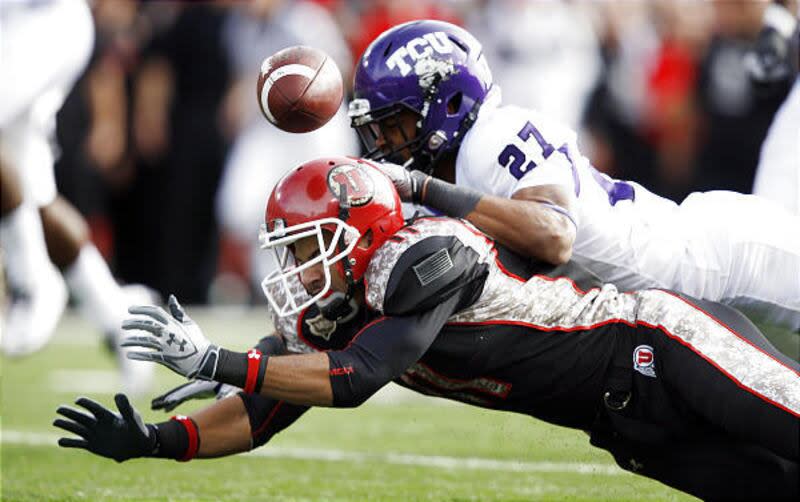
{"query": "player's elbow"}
(353, 396)
(351, 399)
(553, 246)
(561, 248)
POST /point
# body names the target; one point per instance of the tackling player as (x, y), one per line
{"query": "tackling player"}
(424, 98)
(684, 391)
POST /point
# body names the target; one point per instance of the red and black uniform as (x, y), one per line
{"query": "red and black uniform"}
(686, 392)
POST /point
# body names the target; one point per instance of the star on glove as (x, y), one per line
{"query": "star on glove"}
(175, 339)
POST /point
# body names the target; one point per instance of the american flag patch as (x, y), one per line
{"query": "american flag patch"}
(433, 267)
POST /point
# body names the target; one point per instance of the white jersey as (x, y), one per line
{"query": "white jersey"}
(719, 246)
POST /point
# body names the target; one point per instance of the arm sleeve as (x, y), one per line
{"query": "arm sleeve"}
(382, 351)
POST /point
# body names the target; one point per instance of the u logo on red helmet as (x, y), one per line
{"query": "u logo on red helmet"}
(357, 183)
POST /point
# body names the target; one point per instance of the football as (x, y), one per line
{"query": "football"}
(299, 89)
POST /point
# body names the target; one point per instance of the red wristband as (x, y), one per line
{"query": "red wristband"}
(253, 364)
(194, 437)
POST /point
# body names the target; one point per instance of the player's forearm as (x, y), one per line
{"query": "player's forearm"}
(223, 428)
(299, 379)
(531, 228)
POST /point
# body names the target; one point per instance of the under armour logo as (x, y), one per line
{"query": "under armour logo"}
(254, 355)
(180, 343)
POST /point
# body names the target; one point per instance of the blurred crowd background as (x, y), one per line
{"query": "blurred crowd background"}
(164, 150)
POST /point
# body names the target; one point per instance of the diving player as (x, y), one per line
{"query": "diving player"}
(685, 391)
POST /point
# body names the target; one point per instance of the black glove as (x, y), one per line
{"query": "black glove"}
(197, 389)
(120, 436)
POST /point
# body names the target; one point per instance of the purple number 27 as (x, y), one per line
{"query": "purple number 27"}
(514, 159)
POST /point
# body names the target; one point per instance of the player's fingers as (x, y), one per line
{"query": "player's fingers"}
(73, 443)
(97, 409)
(156, 313)
(124, 406)
(159, 403)
(144, 356)
(144, 325)
(147, 342)
(165, 404)
(175, 309)
(77, 416)
(72, 427)
(176, 395)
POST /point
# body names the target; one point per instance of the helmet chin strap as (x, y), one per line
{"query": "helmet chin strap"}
(337, 307)
(341, 307)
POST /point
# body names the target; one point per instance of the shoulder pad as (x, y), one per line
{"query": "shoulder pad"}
(425, 263)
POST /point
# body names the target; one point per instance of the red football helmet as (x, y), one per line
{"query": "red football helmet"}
(350, 198)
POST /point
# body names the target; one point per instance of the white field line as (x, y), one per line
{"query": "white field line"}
(435, 461)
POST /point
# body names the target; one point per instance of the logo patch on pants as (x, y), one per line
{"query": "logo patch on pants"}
(644, 360)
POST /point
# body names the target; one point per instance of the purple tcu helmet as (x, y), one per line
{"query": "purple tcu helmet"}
(433, 69)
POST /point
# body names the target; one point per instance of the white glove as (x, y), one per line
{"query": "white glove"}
(407, 183)
(196, 389)
(177, 342)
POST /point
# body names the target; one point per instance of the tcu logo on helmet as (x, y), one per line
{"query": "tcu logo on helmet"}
(418, 48)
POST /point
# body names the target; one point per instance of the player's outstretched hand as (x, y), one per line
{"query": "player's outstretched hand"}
(176, 341)
(103, 432)
(197, 389)
(407, 183)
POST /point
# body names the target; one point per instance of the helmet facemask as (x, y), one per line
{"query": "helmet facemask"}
(386, 124)
(281, 240)
(417, 151)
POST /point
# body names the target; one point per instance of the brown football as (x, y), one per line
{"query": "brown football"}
(299, 89)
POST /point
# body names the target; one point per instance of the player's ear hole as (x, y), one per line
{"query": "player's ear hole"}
(365, 241)
(455, 103)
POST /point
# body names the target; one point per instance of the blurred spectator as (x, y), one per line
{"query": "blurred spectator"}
(262, 153)
(643, 116)
(735, 119)
(674, 110)
(543, 55)
(167, 233)
(363, 20)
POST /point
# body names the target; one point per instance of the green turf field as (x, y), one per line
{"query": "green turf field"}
(398, 446)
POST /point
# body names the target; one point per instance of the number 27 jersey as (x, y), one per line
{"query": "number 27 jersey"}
(626, 234)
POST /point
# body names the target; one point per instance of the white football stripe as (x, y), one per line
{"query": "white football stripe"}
(744, 363)
(279, 73)
(436, 461)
